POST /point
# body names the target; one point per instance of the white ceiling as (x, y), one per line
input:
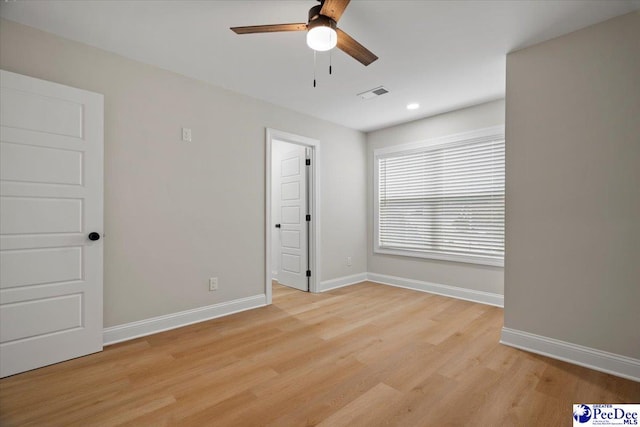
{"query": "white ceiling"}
(442, 54)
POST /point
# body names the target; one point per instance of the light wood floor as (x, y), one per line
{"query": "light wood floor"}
(365, 355)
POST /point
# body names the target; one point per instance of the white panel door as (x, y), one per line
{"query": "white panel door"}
(51, 189)
(293, 251)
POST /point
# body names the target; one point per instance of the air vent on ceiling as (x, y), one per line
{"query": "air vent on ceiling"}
(372, 93)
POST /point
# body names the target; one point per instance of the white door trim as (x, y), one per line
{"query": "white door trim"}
(314, 187)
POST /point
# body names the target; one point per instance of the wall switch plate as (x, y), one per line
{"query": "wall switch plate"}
(186, 134)
(349, 261)
(213, 284)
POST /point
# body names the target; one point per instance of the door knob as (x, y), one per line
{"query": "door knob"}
(277, 225)
(94, 236)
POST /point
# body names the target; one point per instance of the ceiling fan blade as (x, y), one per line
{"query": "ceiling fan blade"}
(348, 45)
(269, 28)
(334, 8)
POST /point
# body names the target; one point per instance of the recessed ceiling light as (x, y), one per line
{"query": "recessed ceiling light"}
(413, 106)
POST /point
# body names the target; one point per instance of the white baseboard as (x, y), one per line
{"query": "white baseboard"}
(341, 282)
(154, 325)
(436, 288)
(610, 363)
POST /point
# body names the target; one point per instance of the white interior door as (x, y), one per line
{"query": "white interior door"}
(293, 248)
(51, 198)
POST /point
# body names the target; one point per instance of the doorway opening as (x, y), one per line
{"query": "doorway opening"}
(292, 215)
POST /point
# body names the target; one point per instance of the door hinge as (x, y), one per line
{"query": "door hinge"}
(308, 273)
(308, 217)
(308, 162)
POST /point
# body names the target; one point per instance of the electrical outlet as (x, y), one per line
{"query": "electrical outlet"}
(349, 261)
(186, 134)
(213, 284)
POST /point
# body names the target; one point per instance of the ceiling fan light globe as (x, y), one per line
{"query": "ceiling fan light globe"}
(322, 38)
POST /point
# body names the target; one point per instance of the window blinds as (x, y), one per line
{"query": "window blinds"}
(444, 201)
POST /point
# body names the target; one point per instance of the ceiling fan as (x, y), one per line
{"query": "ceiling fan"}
(322, 31)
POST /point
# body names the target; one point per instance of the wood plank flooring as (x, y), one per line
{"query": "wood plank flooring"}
(364, 355)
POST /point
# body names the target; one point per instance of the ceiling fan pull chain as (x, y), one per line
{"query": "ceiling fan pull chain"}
(314, 68)
(330, 61)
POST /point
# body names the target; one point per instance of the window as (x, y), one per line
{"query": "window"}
(442, 199)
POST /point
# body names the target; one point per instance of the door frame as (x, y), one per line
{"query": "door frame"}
(314, 201)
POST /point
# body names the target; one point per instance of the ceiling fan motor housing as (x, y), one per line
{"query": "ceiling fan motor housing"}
(317, 20)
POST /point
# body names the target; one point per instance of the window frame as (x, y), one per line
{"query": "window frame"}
(497, 132)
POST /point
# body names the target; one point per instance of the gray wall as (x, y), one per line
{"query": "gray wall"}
(178, 213)
(572, 269)
(471, 276)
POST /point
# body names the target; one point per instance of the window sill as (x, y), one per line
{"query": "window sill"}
(441, 257)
